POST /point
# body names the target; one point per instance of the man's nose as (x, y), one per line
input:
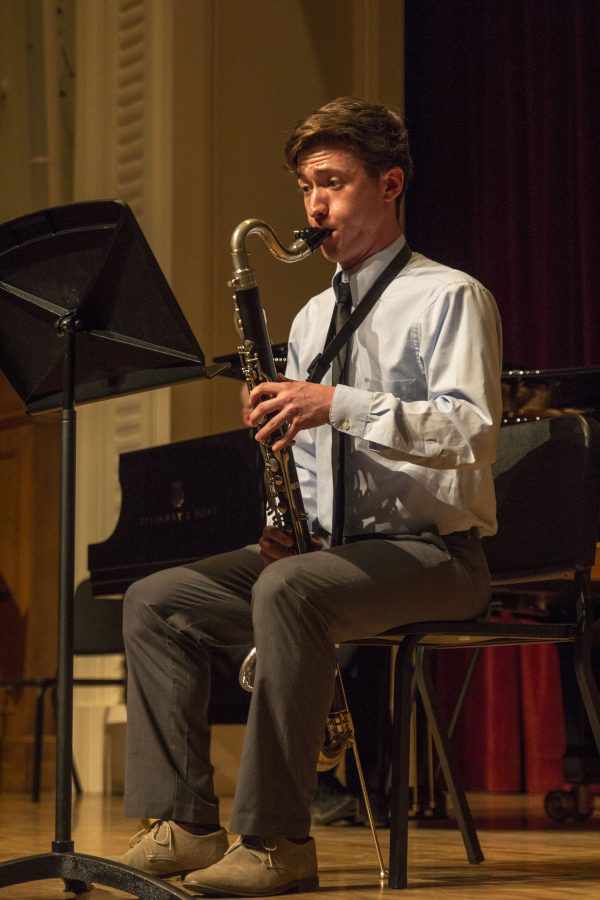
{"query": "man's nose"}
(318, 203)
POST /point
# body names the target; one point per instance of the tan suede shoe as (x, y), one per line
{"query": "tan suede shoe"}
(164, 849)
(281, 867)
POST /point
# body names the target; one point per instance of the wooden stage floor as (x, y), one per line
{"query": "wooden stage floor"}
(526, 856)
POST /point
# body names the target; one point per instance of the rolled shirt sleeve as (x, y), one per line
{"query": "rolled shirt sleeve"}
(457, 348)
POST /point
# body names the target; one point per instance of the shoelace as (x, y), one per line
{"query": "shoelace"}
(258, 847)
(148, 831)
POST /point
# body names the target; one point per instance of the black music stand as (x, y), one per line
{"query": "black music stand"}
(85, 313)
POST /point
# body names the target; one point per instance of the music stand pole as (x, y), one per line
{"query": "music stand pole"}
(66, 328)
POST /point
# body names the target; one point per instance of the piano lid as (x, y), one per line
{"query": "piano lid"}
(554, 389)
(180, 502)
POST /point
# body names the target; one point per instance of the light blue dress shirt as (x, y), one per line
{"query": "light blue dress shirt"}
(422, 404)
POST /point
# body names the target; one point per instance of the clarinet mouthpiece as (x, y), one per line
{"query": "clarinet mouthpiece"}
(313, 237)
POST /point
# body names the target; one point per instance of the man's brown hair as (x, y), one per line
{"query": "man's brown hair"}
(375, 134)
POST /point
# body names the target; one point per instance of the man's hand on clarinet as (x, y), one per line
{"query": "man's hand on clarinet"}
(299, 404)
(277, 544)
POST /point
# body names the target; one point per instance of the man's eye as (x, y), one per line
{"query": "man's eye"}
(334, 183)
(304, 189)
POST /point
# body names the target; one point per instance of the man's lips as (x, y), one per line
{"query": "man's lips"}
(331, 228)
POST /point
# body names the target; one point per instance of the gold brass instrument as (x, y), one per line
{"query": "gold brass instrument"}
(339, 729)
(283, 495)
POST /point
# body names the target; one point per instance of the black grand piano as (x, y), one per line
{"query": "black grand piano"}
(180, 502)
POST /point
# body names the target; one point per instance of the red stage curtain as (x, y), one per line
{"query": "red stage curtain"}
(503, 113)
(504, 118)
(510, 736)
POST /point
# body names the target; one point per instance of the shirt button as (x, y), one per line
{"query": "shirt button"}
(346, 425)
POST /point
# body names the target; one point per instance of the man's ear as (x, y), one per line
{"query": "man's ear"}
(393, 183)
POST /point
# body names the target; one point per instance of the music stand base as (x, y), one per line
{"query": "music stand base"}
(79, 871)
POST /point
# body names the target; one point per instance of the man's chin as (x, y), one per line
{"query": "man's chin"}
(329, 249)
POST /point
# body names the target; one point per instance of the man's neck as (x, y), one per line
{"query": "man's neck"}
(356, 268)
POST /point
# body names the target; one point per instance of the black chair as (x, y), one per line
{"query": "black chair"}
(97, 631)
(547, 478)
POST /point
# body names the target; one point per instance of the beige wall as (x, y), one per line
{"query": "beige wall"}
(15, 152)
(36, 105)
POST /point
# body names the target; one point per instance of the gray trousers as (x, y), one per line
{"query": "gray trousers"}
(294, 611)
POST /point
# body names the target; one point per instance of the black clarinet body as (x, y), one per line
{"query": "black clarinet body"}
(284, 497)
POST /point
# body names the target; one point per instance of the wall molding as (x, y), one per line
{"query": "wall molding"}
(122, 150)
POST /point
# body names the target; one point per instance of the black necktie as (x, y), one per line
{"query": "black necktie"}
(338, 438)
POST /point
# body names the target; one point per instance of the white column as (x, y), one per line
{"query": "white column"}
(123, 151)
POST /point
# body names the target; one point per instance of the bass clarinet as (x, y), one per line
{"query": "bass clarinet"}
(284, 499)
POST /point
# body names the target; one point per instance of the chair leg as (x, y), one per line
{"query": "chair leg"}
(461, 699)
(583, 666)
(467, 680)
(399, 800)
(464, 690)
(446, 757)
(76, 781)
